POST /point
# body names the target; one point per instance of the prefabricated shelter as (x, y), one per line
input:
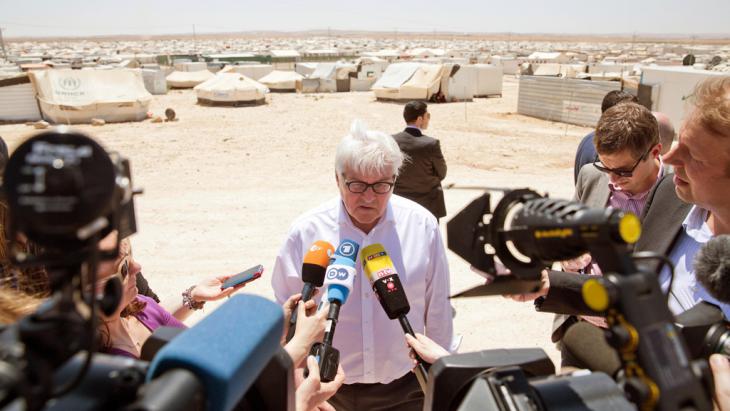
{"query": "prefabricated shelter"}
(563, 99)
(252, 71)
(459, 82)
(509, 65)
(305, 69)
(284, 59)
(191, 66)
(17, 99)
(665, 89)
(282, 81)
(155, 81)
(78, 96)
(489, 80)
(188, 79)
(231, 89)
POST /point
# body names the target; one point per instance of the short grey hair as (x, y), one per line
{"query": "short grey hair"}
(368, 152)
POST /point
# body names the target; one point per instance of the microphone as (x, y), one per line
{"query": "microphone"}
(339, 280)
(225, 356)
(381, 272)
(313, 269)
(712, 267)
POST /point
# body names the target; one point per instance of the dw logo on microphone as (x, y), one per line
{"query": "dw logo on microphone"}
(339, 273)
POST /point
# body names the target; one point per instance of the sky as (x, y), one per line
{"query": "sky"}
(86, 18)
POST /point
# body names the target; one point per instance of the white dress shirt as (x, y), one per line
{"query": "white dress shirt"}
(372, 347)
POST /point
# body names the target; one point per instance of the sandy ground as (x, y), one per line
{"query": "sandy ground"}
(222, 185)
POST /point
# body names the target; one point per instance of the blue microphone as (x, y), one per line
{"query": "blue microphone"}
(226, 350)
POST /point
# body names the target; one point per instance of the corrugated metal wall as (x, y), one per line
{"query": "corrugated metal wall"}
(563, 99)
(18, 103)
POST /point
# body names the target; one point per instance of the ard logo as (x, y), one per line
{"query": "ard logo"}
(346, 249)
(69, 83)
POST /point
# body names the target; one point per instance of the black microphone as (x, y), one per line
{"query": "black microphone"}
(313, 269)
(712, 267)
(381, 272)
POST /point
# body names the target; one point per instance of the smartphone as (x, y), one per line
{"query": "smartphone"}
(244, 277)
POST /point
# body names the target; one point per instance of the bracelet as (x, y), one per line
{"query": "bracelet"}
(189, 302)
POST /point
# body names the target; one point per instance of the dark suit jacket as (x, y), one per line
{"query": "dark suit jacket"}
(420, 178)
(661, 226)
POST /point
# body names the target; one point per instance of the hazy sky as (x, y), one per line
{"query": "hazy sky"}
(81, 18)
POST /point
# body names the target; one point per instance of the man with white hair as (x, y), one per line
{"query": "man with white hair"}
(372, 348)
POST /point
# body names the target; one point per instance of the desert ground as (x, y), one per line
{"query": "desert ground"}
(222, 185)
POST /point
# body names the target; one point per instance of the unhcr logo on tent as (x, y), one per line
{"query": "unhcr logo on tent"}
(69, 83)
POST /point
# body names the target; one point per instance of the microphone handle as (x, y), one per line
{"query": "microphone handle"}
(332, 316)
(307, 292)
(420, 370)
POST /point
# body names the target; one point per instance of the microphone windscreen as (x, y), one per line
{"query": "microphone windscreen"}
(341, 272)
(315, 262)
(227, 349)
(587, 348)
(712, 267)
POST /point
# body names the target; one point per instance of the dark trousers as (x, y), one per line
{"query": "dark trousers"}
(402, 394)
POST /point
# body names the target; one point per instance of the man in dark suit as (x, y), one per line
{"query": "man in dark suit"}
(681, 213)
(420, 178)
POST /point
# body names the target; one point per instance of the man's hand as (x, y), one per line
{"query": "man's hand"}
(721, 374)
(544, 288)
(577, 264)
(313, 393)
(426, 348)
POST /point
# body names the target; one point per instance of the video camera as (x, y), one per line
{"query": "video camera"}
(527, 232)
(64, 194)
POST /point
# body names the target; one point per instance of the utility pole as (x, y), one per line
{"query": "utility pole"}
(2, 44)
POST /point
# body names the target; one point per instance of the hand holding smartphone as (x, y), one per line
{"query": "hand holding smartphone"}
(244, 277)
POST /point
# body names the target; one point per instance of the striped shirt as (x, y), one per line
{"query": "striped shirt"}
(634, 203)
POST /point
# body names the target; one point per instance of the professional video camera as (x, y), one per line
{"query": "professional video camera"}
(527, 233)
(65, 193)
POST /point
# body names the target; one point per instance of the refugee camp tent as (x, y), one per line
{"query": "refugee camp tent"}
(252, 71)
(17, 99)
(282, 81)
(231, 89)
(77, 96)
(388, 86)
(489, 80)
(188, 79)
(305, 69)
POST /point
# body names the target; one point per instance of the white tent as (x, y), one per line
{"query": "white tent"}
(282, 80)
(77, 96)
(409, 81)
(17, 99)
(252, 71)
(231, 89)
(154, 81)
(188, 79)
(459, 83)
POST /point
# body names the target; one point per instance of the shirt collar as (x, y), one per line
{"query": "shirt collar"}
(695, 225)
(412, 126)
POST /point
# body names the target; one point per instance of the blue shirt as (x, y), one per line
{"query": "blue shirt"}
(686, 291)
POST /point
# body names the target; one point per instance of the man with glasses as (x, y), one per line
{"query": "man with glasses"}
(626, 168)
(421, 175)
(372, 348)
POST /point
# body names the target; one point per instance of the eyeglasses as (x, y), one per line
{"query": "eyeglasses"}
(619, 172)
(359, 187)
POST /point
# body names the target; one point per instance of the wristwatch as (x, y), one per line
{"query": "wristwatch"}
(189, 302)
